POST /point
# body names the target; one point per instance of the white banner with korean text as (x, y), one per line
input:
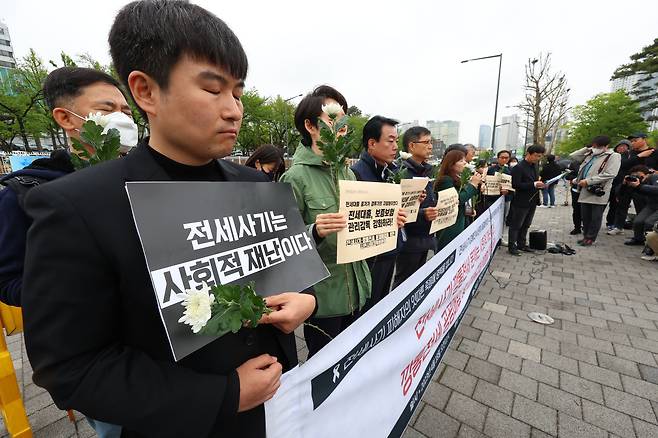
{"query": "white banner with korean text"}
(369, 380)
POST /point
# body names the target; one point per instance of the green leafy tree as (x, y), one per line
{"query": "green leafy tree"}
(354, 111)
(66, 61)
(486, 155)
(281, 118)
(612, 114)
(653, 138)
(255, 129)
(19, 95)
(645, 63)
(357, 122)
(32, 73)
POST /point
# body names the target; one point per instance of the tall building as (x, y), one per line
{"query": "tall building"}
(507, 134)
(628, 83)
(7, 60)
(406, 125)
(447, 131)
(484, 139)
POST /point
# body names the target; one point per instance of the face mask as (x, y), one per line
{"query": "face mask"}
(119, 121)
(512, 164)
(270, 175)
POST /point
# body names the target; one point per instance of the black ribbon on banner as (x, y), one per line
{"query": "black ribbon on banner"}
(325, 383)
(417, 395)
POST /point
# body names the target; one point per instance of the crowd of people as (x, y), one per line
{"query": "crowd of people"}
(70, 255)
(602, 177)
(71, 258)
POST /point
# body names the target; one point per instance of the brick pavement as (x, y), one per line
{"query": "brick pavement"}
(594, 373)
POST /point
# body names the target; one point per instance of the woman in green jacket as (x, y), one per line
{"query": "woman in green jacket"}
(341, 296)
(449, 176)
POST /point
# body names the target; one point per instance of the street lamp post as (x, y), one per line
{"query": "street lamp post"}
(500, 63)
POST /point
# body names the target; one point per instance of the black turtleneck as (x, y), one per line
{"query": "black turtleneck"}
(183, 172)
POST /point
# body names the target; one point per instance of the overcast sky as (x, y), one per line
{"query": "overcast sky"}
(398, 59)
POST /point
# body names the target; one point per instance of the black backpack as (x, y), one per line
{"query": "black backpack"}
(21, 184)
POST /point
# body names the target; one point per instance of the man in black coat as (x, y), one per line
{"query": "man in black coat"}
(67, 91)
(623, 149)
(377, 164)
(417, 141)
(93, 332)
(526, 183)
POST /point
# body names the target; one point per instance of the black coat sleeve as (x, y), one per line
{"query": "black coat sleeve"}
(13, 230)
(649, 189)
(518, 182)
(72, 311)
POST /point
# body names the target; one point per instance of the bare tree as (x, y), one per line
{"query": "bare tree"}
(546, 99)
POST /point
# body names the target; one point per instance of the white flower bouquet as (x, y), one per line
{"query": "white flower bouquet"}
(218, 310)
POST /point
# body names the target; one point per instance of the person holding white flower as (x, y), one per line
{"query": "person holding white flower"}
(67, 91)
(343, 294)
(87, 286)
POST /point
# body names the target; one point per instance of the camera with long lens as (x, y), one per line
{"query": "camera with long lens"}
(596, 190)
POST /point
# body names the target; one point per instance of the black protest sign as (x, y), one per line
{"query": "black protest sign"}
(196, 233)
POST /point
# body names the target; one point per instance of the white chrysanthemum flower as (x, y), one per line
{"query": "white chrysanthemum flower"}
(197, 305)
(332, 109)
(98, 118)
(405, 155)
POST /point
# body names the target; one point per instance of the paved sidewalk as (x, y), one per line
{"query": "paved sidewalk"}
(594, 373)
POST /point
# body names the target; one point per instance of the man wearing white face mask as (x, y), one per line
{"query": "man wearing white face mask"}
(78, 94)
(68, 91)
(117, 120)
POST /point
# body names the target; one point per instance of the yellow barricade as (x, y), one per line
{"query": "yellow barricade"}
(11, 403)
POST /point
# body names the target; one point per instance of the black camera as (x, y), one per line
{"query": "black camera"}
(631, 178)
(596, 190)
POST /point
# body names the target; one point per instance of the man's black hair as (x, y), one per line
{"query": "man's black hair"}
(66, 83)
(601, 140)
(550, 158)
(456, 146)
(504, 151)
(641, 168)
(373, 129)
(310, 109)
(413, 134)
(151, 36)
(536, 149)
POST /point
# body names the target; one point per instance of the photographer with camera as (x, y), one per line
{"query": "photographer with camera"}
(644, 183)
(640, 153)
(599, 166)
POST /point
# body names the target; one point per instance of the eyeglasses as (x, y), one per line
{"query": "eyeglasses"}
(426, 142)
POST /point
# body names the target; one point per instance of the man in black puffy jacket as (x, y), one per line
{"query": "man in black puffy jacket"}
(644, 183)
